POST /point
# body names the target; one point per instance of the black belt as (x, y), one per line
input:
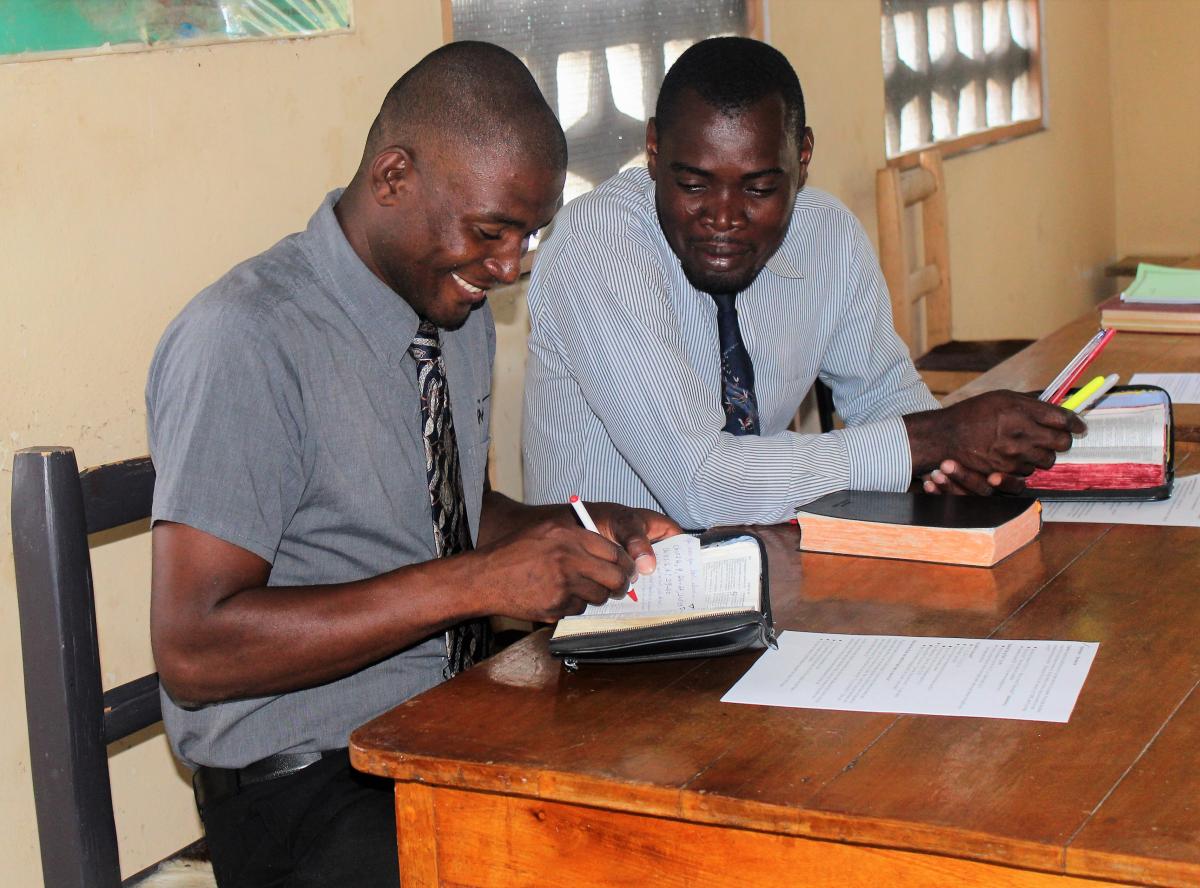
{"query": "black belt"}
(211, 785)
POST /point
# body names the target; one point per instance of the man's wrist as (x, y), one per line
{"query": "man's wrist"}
(925, 430)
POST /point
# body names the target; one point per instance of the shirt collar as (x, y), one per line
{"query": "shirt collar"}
(779, 264)
(386, 320)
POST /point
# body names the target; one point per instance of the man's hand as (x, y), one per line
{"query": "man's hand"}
(989, 442)
(555, 568)
(634, 530)
(950, 477)
(537, 562)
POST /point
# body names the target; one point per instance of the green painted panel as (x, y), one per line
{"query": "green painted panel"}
(62, 25)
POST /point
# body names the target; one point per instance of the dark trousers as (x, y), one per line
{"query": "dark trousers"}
(327, 825)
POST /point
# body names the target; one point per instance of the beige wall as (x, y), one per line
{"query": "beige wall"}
(1155, 123)
(1031, 221)
(131, 181)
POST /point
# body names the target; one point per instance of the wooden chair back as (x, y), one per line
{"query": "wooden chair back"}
(71, 718)
(921, 292)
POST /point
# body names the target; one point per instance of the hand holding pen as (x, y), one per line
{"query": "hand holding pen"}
(585, 519)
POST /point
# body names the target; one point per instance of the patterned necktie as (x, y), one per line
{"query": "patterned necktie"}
(469, 642)
(737, 373)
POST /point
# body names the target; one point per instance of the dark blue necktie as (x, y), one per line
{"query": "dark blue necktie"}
(468, 642)
(737, 373)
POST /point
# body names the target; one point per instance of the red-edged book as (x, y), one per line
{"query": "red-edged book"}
(1150, 317)
(1126, 454)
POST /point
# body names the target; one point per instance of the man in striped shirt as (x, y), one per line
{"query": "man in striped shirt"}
(623, 392)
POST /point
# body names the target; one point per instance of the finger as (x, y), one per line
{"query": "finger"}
(1047, 439)
(1006, 483)
(658, 525)
(633, 529)
(939, 482)
(605, 564)
(1043, 459)
(572, 607)
(968, 481)
(598, 584)
(1055, 417)
(593, 546)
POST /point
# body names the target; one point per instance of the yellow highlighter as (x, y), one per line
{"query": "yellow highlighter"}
(1083, 394)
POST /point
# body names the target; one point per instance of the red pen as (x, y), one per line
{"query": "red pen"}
(586, 520)
(1056, 392)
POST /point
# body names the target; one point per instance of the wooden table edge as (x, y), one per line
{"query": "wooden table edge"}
(1128, 868)
(493, 778)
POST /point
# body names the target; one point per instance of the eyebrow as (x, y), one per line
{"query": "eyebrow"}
(501, 219)
(696, 171)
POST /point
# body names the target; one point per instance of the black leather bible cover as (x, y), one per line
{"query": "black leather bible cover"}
(709, 635)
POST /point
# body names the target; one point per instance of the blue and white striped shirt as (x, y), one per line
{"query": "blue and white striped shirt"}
(623, 382)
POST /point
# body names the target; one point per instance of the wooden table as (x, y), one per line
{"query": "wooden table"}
(1128, 353)
(519, 773)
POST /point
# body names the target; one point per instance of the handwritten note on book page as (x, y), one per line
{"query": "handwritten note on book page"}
(691, 578)
(984, 678)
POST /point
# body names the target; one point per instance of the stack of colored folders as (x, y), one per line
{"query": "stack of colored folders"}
(1161, 299)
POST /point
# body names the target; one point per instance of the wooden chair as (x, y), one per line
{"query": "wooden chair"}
(71, 718)
(921, 295)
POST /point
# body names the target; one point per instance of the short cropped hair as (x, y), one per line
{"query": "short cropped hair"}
(470, 93)
(730, 74)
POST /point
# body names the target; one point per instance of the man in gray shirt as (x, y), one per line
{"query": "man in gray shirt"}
(319, 423)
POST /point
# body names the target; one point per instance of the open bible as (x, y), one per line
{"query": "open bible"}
(1125, 454)
(708, 596)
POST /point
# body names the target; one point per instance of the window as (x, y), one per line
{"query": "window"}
(960, 73)
(599, 64)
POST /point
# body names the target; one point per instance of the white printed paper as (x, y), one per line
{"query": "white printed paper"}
(1184, 388)
(1182, 509)
(983, 678)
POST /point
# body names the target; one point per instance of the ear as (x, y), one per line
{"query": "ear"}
(652, 148)
(392, 174)
(806, 152)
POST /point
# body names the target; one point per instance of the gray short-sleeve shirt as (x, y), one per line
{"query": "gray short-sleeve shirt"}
(284, 417)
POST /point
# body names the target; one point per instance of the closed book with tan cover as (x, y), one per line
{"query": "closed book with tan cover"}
(973, 530)
(1150, 317)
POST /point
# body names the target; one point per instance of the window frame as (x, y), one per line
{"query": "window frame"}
(995, 135)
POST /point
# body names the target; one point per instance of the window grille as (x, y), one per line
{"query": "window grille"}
(959, 72)
(599, 63)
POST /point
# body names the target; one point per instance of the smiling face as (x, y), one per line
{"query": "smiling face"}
(724, 188)
(452, 228)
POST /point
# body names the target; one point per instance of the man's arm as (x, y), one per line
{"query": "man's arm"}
(988, 442)
(219, 632)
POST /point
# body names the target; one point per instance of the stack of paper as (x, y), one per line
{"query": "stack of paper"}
(1164, 284)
